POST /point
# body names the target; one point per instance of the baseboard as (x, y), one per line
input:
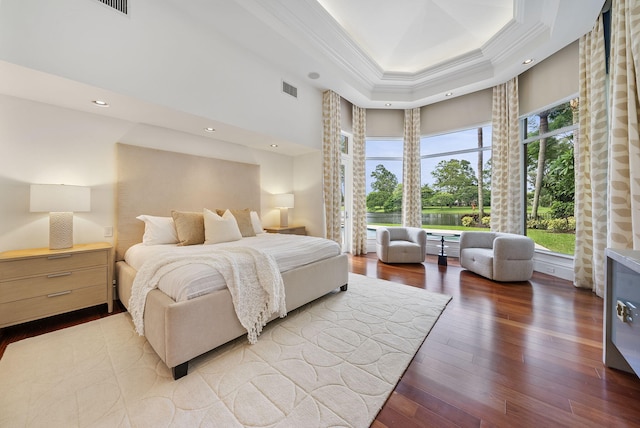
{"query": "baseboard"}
(558, 265)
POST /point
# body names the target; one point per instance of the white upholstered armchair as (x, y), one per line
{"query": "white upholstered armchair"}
(401, 244)
(497, 256)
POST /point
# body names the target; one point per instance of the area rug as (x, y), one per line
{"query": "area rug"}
(332, 362)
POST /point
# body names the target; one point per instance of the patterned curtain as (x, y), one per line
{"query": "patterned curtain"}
(411, 195)
(331, 164)
(590, 152)
(506, 185)
(624, 142)
(359, 217)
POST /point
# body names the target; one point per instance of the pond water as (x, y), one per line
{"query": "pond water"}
(427, 219)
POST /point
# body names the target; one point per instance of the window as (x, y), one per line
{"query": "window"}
(452, 166)
(449, 167)
(384, 181)
(550, 181)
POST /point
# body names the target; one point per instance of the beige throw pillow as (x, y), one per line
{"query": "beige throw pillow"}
(189, 226)
(243, 218)
(220, 229)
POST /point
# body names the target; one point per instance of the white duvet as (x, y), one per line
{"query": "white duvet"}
(188, 282)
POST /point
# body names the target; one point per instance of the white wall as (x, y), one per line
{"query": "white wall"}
(159, 55)
(41, 143)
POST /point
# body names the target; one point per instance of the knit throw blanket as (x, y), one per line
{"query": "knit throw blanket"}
(253, 279)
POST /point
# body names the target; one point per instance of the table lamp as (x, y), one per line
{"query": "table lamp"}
(284, 201)
(60, 201)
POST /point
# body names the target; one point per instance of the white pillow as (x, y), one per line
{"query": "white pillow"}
(256, 223)
(158, 230)
(220, 229)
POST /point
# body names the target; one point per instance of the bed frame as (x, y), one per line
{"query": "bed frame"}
(154, 182)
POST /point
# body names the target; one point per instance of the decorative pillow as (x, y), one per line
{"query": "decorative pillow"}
(220, 229)
(189, 227)
(158, 230)
(243, 218)
(256, 223)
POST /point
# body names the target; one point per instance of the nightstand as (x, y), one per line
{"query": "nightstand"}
(290, 230)
(37, 283)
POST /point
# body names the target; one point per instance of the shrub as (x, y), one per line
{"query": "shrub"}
(539, 223)
(562, 224)
(562, 210)
(486, 220)
(468, 221)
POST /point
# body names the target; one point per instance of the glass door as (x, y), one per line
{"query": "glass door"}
(346, 179)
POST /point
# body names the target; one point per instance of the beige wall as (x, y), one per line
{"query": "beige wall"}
(552, 80)
(543, 85)
(41, 143)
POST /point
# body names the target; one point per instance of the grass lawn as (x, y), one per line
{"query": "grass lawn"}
(563, 243)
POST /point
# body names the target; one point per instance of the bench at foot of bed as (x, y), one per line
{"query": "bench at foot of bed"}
(181, 369)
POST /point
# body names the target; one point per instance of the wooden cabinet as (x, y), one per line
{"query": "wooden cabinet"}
(291, 230)
(38, 283)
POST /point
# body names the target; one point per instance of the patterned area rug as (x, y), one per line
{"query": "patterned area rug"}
(333, 362)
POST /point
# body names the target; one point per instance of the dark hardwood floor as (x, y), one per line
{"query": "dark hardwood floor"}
(501, 355)
(506, 355)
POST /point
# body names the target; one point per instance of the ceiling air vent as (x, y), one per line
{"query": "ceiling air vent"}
(289, 89)
(119, 5)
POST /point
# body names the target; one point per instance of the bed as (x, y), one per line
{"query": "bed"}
(155, 182)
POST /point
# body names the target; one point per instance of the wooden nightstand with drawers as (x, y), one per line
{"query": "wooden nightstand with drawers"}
(288, 230)
(37, 283)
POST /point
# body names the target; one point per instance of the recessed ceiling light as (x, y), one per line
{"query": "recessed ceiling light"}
(528, 61)
(313, 75)
(448, 94)
(100, 103)
(387, 104)
(210, 129)
(273, 145)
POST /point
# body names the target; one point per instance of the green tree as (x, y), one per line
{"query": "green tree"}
(384, 180)
(426, 193)
(394, 202)
(541, 153)
(384, 195)
(442, 199)
(455, 177)
(375, 201)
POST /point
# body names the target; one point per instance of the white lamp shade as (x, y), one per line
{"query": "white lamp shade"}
(284, 200)
(59, 198)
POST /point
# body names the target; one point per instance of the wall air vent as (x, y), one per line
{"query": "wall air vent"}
(288, 88)
(119, 5)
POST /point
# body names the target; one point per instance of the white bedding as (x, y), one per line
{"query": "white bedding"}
(188, 282)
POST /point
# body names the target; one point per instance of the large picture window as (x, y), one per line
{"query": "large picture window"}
(455, 169)
(383, 171)
(550, 179)
(456, 179)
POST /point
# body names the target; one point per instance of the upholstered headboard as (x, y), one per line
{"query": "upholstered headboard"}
(154, 182)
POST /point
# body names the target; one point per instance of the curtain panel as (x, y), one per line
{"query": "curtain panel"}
(331, 164)
(591, 164)
(506, 177)
(411, 195)
(359, 217)
(624, 142)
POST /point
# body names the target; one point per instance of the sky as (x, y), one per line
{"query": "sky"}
(461, 140)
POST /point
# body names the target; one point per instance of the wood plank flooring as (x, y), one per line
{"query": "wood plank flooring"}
(506, 355)
(501, 355)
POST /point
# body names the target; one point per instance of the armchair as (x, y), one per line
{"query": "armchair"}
(497, 256)
(401, 244)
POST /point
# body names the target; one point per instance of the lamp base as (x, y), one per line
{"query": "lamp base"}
(284, 217)
(60, 230)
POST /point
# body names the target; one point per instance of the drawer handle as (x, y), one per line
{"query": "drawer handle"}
(56, 275)
(59, 256)
(62, 293)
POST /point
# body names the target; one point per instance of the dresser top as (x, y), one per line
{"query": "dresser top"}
(39, 252)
